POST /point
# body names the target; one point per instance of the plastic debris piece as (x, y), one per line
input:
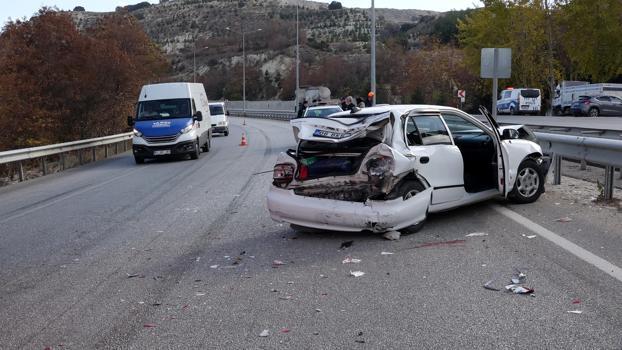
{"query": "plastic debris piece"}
(156, 304)
(149, 325)
(274, 290)
(316, 333)
(287, 297)
(357, 273)
(197, 259)
(318, 310)
(442, 243)
(290, 282)
(277, 263)
(575, 312)
(488, 285)
(576, 301)
(360, 341)
(349, 260)
(200, 294)
(477, 234)
(392, 235)
(531, 236)
(132, 275)
(264, 333)
(386, 253)
(564, 219)
(519, 278)
(213, 267)
(346, 244)
(516, 289)
(285, 330)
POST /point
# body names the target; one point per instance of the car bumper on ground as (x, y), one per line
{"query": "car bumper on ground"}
(145, 151)
(335, 215)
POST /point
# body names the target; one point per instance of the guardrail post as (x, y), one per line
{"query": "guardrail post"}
(80, 158)
(583, 164)
(105, 151)
(620, 173)
(608, 190)
(116, 148)
(557, 169)
(44, 166)
(94, 154)
(62, 161)
(21, 171)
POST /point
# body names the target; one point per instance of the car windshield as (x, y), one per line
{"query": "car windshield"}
(216, 109)
(321, 112)
(164, 109)
(530, 93)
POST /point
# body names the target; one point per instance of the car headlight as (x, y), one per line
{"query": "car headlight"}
(187, 129)
(137, 133)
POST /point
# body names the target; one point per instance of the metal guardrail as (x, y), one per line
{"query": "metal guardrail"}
(266, 114)
(20, 155)
(600, 151)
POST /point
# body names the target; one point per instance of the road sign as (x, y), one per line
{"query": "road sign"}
(496, 63)
(461, 94)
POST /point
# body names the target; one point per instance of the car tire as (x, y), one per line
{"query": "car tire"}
(409, 189)
(512, 111)
(529, 183)
(593, 112)
(139, 160)
(197, 151)
(227, 132)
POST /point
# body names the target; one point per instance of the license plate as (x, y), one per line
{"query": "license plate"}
(162, 152)
(330, 134)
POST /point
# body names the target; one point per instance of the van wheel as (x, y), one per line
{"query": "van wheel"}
(594, 112)
(208, 144)
(409, 189)
(139, 160)
(529, 183)
(197, 151)
(227, 132)
(512, 111)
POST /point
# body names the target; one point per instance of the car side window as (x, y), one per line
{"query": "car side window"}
(616, 99)
(604, 98)
(460, 126)
(426, 130)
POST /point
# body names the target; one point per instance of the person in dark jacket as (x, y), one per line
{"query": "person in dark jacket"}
(349, 103)
(370, 99)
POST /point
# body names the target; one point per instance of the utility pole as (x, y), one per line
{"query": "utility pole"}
(373, 50)
(297, 59)
(550, 42)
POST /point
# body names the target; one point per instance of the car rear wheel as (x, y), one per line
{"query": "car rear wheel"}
(409, 189)
(139, 160)
(227, 132)
(512, 111)
(529, 183)
(594, 112)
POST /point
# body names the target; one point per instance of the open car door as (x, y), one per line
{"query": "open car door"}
(502, 155)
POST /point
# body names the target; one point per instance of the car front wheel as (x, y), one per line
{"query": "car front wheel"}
(529, 183)
(594, 112)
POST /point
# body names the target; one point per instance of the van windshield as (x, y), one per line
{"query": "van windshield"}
(216, 110)
(530, 93)
(164, 109)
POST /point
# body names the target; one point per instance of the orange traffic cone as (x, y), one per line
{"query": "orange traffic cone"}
(244, 142)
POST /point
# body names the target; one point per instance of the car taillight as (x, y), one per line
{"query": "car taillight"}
(283, 174)
(303, 173)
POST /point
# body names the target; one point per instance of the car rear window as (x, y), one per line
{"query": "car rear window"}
(530, 93)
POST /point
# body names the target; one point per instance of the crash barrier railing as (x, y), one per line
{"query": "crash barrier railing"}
(20, 155)
(255, 113)
(604, 152)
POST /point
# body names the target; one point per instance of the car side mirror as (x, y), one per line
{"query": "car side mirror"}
(509, 134)
(227, 113)
(130, 121)
(198, 116)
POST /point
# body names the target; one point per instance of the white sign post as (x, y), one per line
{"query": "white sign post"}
(496, 63)
(462, 97)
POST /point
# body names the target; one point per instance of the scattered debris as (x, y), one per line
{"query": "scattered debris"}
(318, 310)
(243, 252)
(197, 259)
(519, 278)
(156, 304)
(392, 235)
(264, 333)
(316, 333)
(442, 243)
(323, 276)
(386, 253)
(575, 312)
(347, 244)
(488, 285)
(360, 341)
(149, 325)
(357, 273)
(277, 263)
(274, 290)
(349, 260)
(200, 294)
(576, 301)
(213, 267)
(132, 275)
(477, 234)
(516, 289)
(290, 282)
(530, 237)
(287, 297)
(564, 219)
(285, 330)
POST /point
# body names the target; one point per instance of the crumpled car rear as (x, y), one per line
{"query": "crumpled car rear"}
(344, 176)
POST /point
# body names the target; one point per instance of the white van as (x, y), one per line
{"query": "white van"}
(220, 117)
(171, 119)
(519, 101)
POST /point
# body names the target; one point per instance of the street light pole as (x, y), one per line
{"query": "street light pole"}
(243, 33)
(297, 59)
(194, 62)
(373, 51)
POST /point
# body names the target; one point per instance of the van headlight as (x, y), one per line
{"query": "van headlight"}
(187, 129)
(137, 133)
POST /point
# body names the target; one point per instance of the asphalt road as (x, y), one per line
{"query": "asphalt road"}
(179, 254)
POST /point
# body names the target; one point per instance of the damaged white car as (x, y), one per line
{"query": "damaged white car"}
(385, 168)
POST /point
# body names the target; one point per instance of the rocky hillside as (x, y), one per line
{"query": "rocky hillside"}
(211, 29)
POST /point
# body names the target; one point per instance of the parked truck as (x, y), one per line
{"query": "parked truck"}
(569, 91)
(314, 95)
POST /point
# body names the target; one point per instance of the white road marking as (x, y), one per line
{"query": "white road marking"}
(585, 255)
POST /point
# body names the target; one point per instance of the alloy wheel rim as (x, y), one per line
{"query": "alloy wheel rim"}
(528, 182)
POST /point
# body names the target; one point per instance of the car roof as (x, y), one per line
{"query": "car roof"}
(323, 107)
(397, 109)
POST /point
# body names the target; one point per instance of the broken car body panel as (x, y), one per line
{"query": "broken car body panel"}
(384, 168)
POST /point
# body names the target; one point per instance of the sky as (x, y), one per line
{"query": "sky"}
(26, 8)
